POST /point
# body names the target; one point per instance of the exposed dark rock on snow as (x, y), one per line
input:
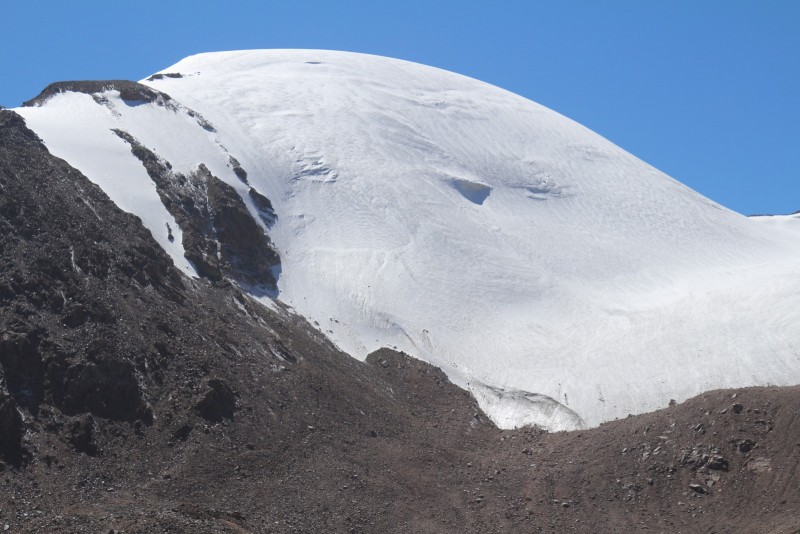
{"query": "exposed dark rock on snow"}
(246, 252)
(238, 170)
(220, 237)
(161, 76)
(129, 91)
(264, 206)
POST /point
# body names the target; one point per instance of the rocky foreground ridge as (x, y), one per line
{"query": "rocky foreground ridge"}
(135, 399)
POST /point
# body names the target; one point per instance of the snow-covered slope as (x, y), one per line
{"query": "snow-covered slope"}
(559, 278)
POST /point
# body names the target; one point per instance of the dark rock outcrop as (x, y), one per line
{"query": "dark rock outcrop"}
(162, 75)
(107, 387)
(264, 207)
(217, 401)
(129, 91)
(22, 364)
(10, 430)
(246, 252)
(220, 236)
(238, 170)
(80, 434)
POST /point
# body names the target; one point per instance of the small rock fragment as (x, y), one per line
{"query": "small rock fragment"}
(717, 463)
(697, 488)
(746, 445)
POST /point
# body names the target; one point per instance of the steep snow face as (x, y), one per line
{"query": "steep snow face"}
(560, 279)
(79, 130)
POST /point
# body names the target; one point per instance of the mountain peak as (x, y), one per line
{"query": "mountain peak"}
(560, 279)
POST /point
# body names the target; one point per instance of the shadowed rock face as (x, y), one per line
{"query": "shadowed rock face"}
(10, 430)
(264, 207)
(22, 365)
(246, 252)
(217, 401)
(220, 236)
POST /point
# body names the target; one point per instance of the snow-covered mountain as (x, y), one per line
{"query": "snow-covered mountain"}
(560, 279)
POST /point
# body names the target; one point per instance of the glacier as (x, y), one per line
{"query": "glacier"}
(561, 280)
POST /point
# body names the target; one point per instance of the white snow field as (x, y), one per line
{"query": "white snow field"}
(560, 279)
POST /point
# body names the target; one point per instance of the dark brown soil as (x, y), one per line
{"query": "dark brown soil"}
(135, 400)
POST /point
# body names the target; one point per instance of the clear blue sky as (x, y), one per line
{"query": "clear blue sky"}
(707, 91)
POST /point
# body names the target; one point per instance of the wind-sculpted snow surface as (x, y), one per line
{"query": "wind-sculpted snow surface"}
(559, 278)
